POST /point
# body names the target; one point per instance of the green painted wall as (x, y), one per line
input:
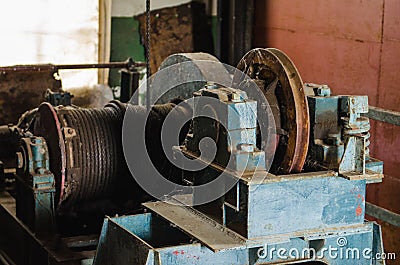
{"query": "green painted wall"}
(125, 42)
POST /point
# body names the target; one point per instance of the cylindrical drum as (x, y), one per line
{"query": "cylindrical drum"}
(85, 149)
(86, 152)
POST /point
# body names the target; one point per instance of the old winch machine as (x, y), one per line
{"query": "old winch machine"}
(299, 198)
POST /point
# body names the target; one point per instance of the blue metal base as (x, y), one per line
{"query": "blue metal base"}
(148, 239)
(317, 216)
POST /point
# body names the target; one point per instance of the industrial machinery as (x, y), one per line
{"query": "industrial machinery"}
(295, 196)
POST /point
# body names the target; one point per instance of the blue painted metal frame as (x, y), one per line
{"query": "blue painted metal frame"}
(127, 240)
(322, 202)
(297, 213)
(36, 187)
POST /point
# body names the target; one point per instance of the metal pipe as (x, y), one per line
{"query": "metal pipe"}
(148, 51)
(48, 67)
(382, 214)
(384, 115)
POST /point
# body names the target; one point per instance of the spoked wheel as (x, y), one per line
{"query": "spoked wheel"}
(278, 78)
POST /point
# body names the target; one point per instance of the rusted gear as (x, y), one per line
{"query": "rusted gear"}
(272, 70)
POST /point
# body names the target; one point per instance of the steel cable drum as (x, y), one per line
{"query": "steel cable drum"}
(85, 149)
(278, 78)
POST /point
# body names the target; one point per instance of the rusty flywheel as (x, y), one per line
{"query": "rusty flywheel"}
(278, 78)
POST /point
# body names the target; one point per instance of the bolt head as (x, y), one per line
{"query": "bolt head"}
(324, 91)
(236, 98)
(246, 147)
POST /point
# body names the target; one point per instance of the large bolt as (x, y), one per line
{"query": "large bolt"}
(323, 91)
(236, 98)
(248, 148)
(211, 85)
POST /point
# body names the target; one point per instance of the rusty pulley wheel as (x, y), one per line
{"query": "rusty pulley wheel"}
(278, 78)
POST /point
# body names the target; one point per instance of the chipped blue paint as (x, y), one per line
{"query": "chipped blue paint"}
(341, 247)
(321, 202)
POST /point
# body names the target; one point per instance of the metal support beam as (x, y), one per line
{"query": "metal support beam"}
(384, 115)
(382, 214)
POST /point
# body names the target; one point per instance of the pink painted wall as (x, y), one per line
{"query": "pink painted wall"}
(354, 47)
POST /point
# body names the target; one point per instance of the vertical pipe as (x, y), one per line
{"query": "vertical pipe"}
(232, 28)
(148, 39)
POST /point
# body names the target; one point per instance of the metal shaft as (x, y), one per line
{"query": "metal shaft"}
(46, 67)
